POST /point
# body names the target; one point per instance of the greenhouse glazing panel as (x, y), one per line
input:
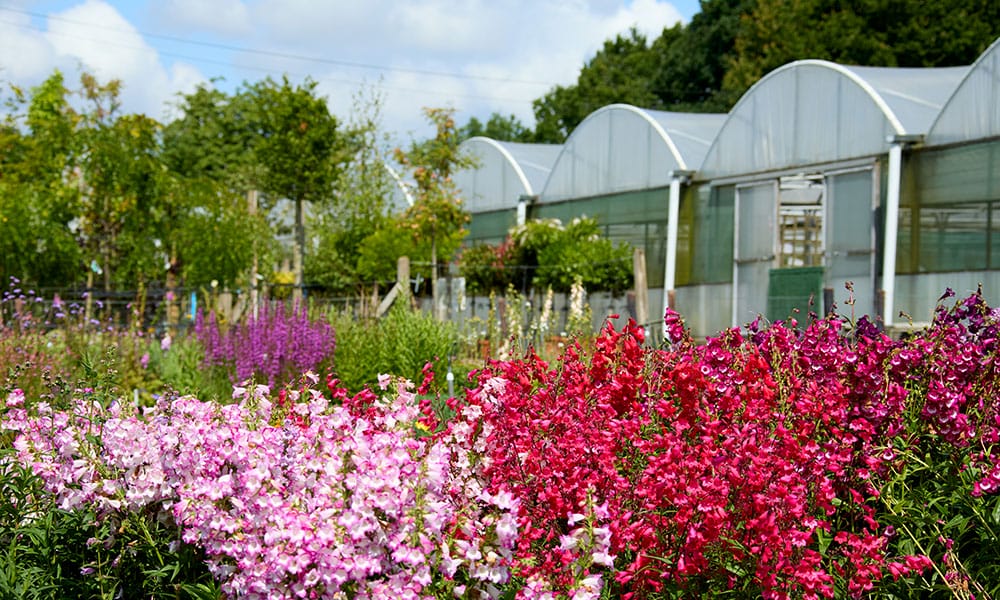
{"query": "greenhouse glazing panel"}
(708, 255)
(955, 174)
(948, 210)
(754, 253)
(850, 239)
(808, 112)
(491, 227)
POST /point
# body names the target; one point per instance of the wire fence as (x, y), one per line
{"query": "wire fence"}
(159, 308)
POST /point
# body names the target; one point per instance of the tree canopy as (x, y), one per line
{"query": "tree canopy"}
(707, 64)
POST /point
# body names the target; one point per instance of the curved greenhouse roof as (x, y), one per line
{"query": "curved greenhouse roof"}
(973, 111)
(620, 148)
(401, 197)
(504, 171)
(815, 111)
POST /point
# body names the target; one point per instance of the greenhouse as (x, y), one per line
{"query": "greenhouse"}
(949, 224)
(498, 188)
(789, 197)
(866, 189)
(626, 167)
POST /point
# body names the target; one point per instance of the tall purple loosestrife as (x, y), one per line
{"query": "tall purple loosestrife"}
(277, 345)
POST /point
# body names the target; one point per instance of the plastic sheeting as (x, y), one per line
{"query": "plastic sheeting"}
(813, 111)
(621, 148)
(973, 112)
(401, 197)
(504, 172)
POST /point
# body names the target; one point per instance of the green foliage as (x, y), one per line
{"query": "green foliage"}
(930, 511)
(622, 71)
(215, 236)
(37, 146)
(360, 208)
(380, 251)
(430, 231)
(296, 140)
(35, 243)
(400, 343)
(275, 137)
(180, 370)
(693, 59)
(121, 178)
(498, 127)
(579, 253)
(482, 267)
(212, 141)
(545, 254)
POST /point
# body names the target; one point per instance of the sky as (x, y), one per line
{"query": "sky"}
(474, 56)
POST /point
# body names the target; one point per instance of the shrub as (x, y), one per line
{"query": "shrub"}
(546, 254)
(401, 343)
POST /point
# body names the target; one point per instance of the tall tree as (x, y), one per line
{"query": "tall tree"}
(498, 127)
(272, 136)
(693, 59)
(299, 148)
(38, 146)
(213, 139)
(905, 33)
(121, 184)
(622, 71)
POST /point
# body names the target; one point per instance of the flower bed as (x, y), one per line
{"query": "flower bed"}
(821, 461)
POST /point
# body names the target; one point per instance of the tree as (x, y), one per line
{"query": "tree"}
(122, 186)
(361, 206)
(37, 200)
(434, 225)
(622, 71)
(271, 136)
(213, 140)
(693, 59)
(299, 148)
(906, 33)
(497, 127)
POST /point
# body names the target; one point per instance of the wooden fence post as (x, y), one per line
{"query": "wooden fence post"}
(641, 289)
(401, 287)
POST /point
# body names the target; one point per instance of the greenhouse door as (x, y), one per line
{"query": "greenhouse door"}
(850, 239)
(753, 248)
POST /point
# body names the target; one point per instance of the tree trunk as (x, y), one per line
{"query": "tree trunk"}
(254, 293)
(300, 244)
(435, 294)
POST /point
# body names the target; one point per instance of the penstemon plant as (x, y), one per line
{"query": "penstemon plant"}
(285, 494)
(822, 461)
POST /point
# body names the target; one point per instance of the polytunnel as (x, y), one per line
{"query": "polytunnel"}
(401, 196)
(625, 166)
(497, 188)
(949, 221)
(790, 197)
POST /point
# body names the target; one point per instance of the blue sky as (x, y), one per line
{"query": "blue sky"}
(476, 56)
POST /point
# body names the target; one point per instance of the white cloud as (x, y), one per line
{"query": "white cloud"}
(101, 39)
(515, 40)
(25, 56)
(483, 50)
(95, 37)
(226, 17)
